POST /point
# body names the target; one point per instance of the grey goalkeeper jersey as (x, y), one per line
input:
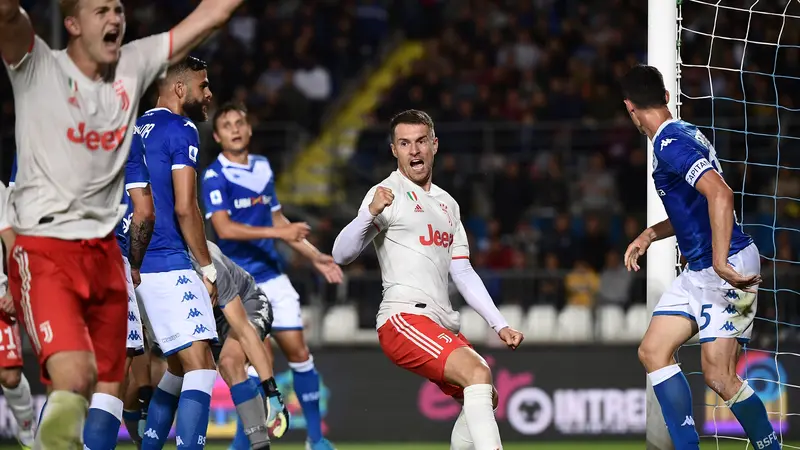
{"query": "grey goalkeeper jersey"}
(232, 280)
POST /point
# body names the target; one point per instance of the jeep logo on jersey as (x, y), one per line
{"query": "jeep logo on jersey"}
(241, 203)
(93, 140)
(437, 238)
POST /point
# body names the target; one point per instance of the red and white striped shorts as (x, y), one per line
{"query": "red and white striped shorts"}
(422, 346)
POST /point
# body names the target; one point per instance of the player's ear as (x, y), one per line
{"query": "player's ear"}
(180, 89)
(435, 144)
(666, 96)
(216, 137)
(72, 25)
(394, 151)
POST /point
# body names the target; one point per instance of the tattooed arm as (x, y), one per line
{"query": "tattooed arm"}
(144, 219)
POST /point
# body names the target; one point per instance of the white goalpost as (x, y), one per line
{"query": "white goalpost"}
(732, 68)
(662, 54)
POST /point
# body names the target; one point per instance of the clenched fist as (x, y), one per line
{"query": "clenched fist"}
(383, 198)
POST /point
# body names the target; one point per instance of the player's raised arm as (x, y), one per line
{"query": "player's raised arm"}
(16, 32)
(720, 212)
(193, 30)
(373, 216)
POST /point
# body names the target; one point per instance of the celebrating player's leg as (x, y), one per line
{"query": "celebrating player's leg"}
(413, 221)
(67, 277)
(240, 199)
(716, 293)
(178, 302)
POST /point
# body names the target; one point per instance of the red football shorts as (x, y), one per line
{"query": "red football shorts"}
(72, 296)
(420, 345)
(10, 342)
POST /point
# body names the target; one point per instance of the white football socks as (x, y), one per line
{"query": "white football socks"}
(20, 403)
(460, 439)
(479, 415)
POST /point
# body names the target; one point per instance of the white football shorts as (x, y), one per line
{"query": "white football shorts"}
(178, 308)
(285, 303)
(705, 298)
(135, 339)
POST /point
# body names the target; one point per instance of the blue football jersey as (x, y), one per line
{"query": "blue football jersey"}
(682, 154)
(136, 176)
(170, 142)
(247, 192)
(13, 178)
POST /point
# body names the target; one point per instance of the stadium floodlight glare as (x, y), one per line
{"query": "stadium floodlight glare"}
(733, 66)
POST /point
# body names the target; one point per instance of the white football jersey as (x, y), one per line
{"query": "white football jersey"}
(73, 137)
(420, 233)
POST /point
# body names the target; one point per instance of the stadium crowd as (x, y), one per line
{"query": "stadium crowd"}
(535, 143)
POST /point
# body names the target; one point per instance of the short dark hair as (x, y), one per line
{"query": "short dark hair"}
(226, 108)
(410, 117)
(181, 68)
(68, 7)
(644, 86)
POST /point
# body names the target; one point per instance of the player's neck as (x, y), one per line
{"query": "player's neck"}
(653, 119)
(84, 63)
(239, 157)
(171, 104)
(425, 185)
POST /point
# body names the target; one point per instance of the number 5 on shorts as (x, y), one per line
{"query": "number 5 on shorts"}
(705, 315)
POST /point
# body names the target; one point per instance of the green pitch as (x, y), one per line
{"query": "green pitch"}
(532, 445)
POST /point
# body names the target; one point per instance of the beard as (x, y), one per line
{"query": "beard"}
(194, 111)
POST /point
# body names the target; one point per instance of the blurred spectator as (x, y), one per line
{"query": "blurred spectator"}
(615, 281)
(581, 284)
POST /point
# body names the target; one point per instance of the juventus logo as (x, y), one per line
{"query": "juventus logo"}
(47, 331)
(447, 339)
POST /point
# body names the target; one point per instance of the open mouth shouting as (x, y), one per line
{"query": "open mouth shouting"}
(417, 165)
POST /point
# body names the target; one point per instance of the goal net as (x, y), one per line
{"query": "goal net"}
(738, 78)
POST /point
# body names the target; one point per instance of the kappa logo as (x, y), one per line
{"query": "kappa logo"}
(688, 422)
(210, 174)
(666, 142)
(151, 433)
(200, 329)
(728, 326)
(134, 336)
(131, 316)
(178, 441)
(188, 296)
(183, 279)
(194, 312)
(730, 309)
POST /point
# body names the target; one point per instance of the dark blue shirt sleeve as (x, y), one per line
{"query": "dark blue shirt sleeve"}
(136, 173)
(13, 173)
(683, 157)
(214, 196)
(184, 145)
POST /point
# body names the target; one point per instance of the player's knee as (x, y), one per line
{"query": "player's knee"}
(10, 378)
(300, 354)
(652, 356)
(229, 366)
(478, 374)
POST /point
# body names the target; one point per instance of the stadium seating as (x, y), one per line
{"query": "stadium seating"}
(611, 326)
(575, 325)
(636, 322)
(340, 324)
(540, 323)
(473, 326)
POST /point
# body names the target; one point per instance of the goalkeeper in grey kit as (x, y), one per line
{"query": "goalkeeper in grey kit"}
(244, 319)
